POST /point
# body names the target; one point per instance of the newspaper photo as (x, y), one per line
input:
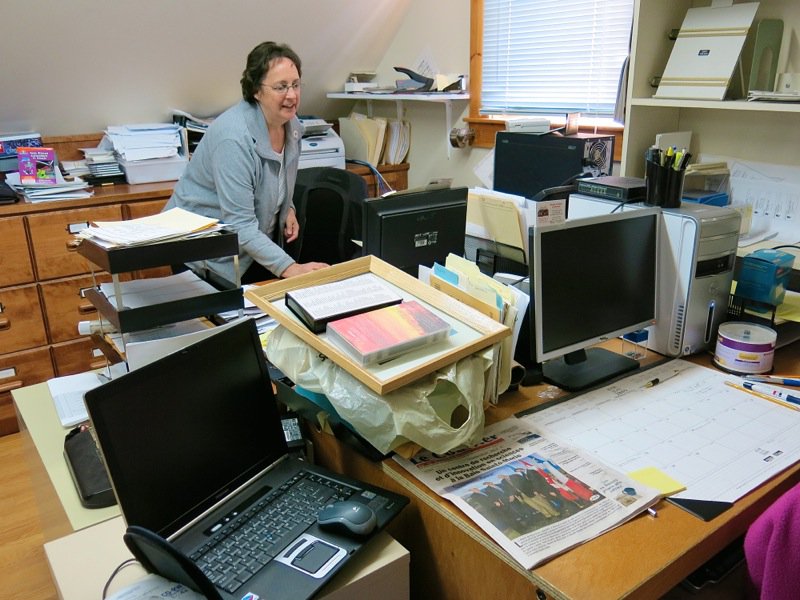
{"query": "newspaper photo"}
(534, 496)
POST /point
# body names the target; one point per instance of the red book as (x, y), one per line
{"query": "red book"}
(382, 334)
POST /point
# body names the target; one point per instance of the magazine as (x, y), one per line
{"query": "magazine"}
(532, 494)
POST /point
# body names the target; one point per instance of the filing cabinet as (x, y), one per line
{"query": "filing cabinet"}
(43, 281)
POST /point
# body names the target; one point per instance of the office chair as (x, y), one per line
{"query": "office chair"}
(328, 204)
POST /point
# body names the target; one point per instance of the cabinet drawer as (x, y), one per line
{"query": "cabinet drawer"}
(136, 210)
(53, 239)
(21, 319)
(19, 369)
(77, 356)
(65, 305)
(16, 267)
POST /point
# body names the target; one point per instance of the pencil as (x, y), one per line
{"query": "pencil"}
(762, 396)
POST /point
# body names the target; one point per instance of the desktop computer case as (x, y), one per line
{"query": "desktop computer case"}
(696, 261)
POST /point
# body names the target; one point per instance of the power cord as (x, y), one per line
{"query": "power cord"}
(115, 572)
(380, 182)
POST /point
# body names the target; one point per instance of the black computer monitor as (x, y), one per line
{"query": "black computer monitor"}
(415, 228)
(592, 279)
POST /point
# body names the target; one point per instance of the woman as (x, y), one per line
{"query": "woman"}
(244, 169)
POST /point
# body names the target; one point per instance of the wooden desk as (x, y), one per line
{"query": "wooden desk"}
(643, 558)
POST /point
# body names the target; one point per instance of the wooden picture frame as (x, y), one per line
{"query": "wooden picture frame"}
(471, 330)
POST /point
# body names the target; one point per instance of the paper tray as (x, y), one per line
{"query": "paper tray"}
(472, 331)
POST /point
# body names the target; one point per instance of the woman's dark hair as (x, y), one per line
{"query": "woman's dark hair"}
(258, 62)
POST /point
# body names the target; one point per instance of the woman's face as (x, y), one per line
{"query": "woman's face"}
(279, 94)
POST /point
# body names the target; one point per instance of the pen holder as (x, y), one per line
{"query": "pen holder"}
(664, 185)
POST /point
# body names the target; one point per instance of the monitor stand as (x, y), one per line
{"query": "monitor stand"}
(586, 368)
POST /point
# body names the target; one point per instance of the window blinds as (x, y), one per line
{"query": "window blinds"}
(553, 56)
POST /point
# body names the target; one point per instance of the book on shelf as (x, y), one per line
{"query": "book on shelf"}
(317, 305)
(36, 164)
(386, 333)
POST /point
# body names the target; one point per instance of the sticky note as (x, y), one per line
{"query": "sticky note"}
(657, 479)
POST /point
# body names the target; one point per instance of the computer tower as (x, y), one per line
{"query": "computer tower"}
(525, 163)
(695, 271)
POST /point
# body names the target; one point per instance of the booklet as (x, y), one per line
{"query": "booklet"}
(535, 496)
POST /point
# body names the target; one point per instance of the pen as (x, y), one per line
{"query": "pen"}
(652, 512)
(763, 396)
(657, 380)
(773, 391)
(782, 379)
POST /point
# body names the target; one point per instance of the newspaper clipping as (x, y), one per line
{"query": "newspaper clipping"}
(533, 495)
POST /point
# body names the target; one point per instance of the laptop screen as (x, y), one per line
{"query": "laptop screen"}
(181, 433)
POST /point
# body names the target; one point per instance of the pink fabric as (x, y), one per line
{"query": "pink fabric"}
(772, 549)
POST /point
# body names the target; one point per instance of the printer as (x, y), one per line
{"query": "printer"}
(321, 146)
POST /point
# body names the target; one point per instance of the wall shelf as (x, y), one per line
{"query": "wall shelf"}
(445, 98)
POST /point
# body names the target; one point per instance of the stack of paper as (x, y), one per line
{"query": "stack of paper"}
(173, 224)
(40, 192)
(398, 142)
(145, 141)
(462, 280)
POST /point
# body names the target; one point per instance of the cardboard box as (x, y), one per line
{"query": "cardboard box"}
(764, 276)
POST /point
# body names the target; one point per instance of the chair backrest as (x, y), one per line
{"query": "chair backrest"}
(328, 202)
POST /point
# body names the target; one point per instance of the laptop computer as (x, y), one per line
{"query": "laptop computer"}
(194, 446)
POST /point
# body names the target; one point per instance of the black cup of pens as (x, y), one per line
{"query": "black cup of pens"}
(664, 171)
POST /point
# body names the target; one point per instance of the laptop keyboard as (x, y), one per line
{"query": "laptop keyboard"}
(242, 547)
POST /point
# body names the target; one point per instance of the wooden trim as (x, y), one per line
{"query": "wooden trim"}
(476, 59)
(68, 147)
(487, 127)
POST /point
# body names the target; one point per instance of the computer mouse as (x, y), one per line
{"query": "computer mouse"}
(348, 516)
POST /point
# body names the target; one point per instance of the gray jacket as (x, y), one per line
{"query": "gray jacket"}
(233, 176)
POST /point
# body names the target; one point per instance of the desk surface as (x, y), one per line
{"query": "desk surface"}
(453, 559)
(44, 435)
(643, 558)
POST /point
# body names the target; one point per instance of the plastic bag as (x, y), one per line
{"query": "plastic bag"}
(420, 412)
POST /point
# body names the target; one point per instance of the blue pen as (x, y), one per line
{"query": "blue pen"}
(774, 392)
(773, 379)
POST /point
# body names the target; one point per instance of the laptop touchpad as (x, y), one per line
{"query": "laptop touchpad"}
(312, 555)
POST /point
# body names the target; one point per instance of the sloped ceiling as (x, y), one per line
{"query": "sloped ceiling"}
(76, 66)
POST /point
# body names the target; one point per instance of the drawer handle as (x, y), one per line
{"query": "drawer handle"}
(11, 385)
(5, 323)
(86, 308)
(73, 243)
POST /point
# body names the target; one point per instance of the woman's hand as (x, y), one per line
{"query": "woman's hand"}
(300, 268)
(291, 230)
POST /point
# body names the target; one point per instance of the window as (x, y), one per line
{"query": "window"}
(546, 57)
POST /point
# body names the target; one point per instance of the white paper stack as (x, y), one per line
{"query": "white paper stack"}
(145, 141)
(173, 224)
(41, 192)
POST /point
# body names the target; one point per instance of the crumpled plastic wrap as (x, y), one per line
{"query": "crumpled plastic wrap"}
(439, 412)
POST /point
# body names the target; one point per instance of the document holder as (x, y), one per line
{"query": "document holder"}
(706, 52)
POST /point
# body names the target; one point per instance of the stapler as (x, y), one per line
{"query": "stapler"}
(418, 83)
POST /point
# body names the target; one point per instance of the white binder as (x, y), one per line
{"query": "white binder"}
(706, 52)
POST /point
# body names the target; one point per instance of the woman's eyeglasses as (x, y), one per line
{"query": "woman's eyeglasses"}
(283, 88)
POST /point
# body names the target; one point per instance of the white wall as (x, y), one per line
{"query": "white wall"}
(439, 31)
(76, 66)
